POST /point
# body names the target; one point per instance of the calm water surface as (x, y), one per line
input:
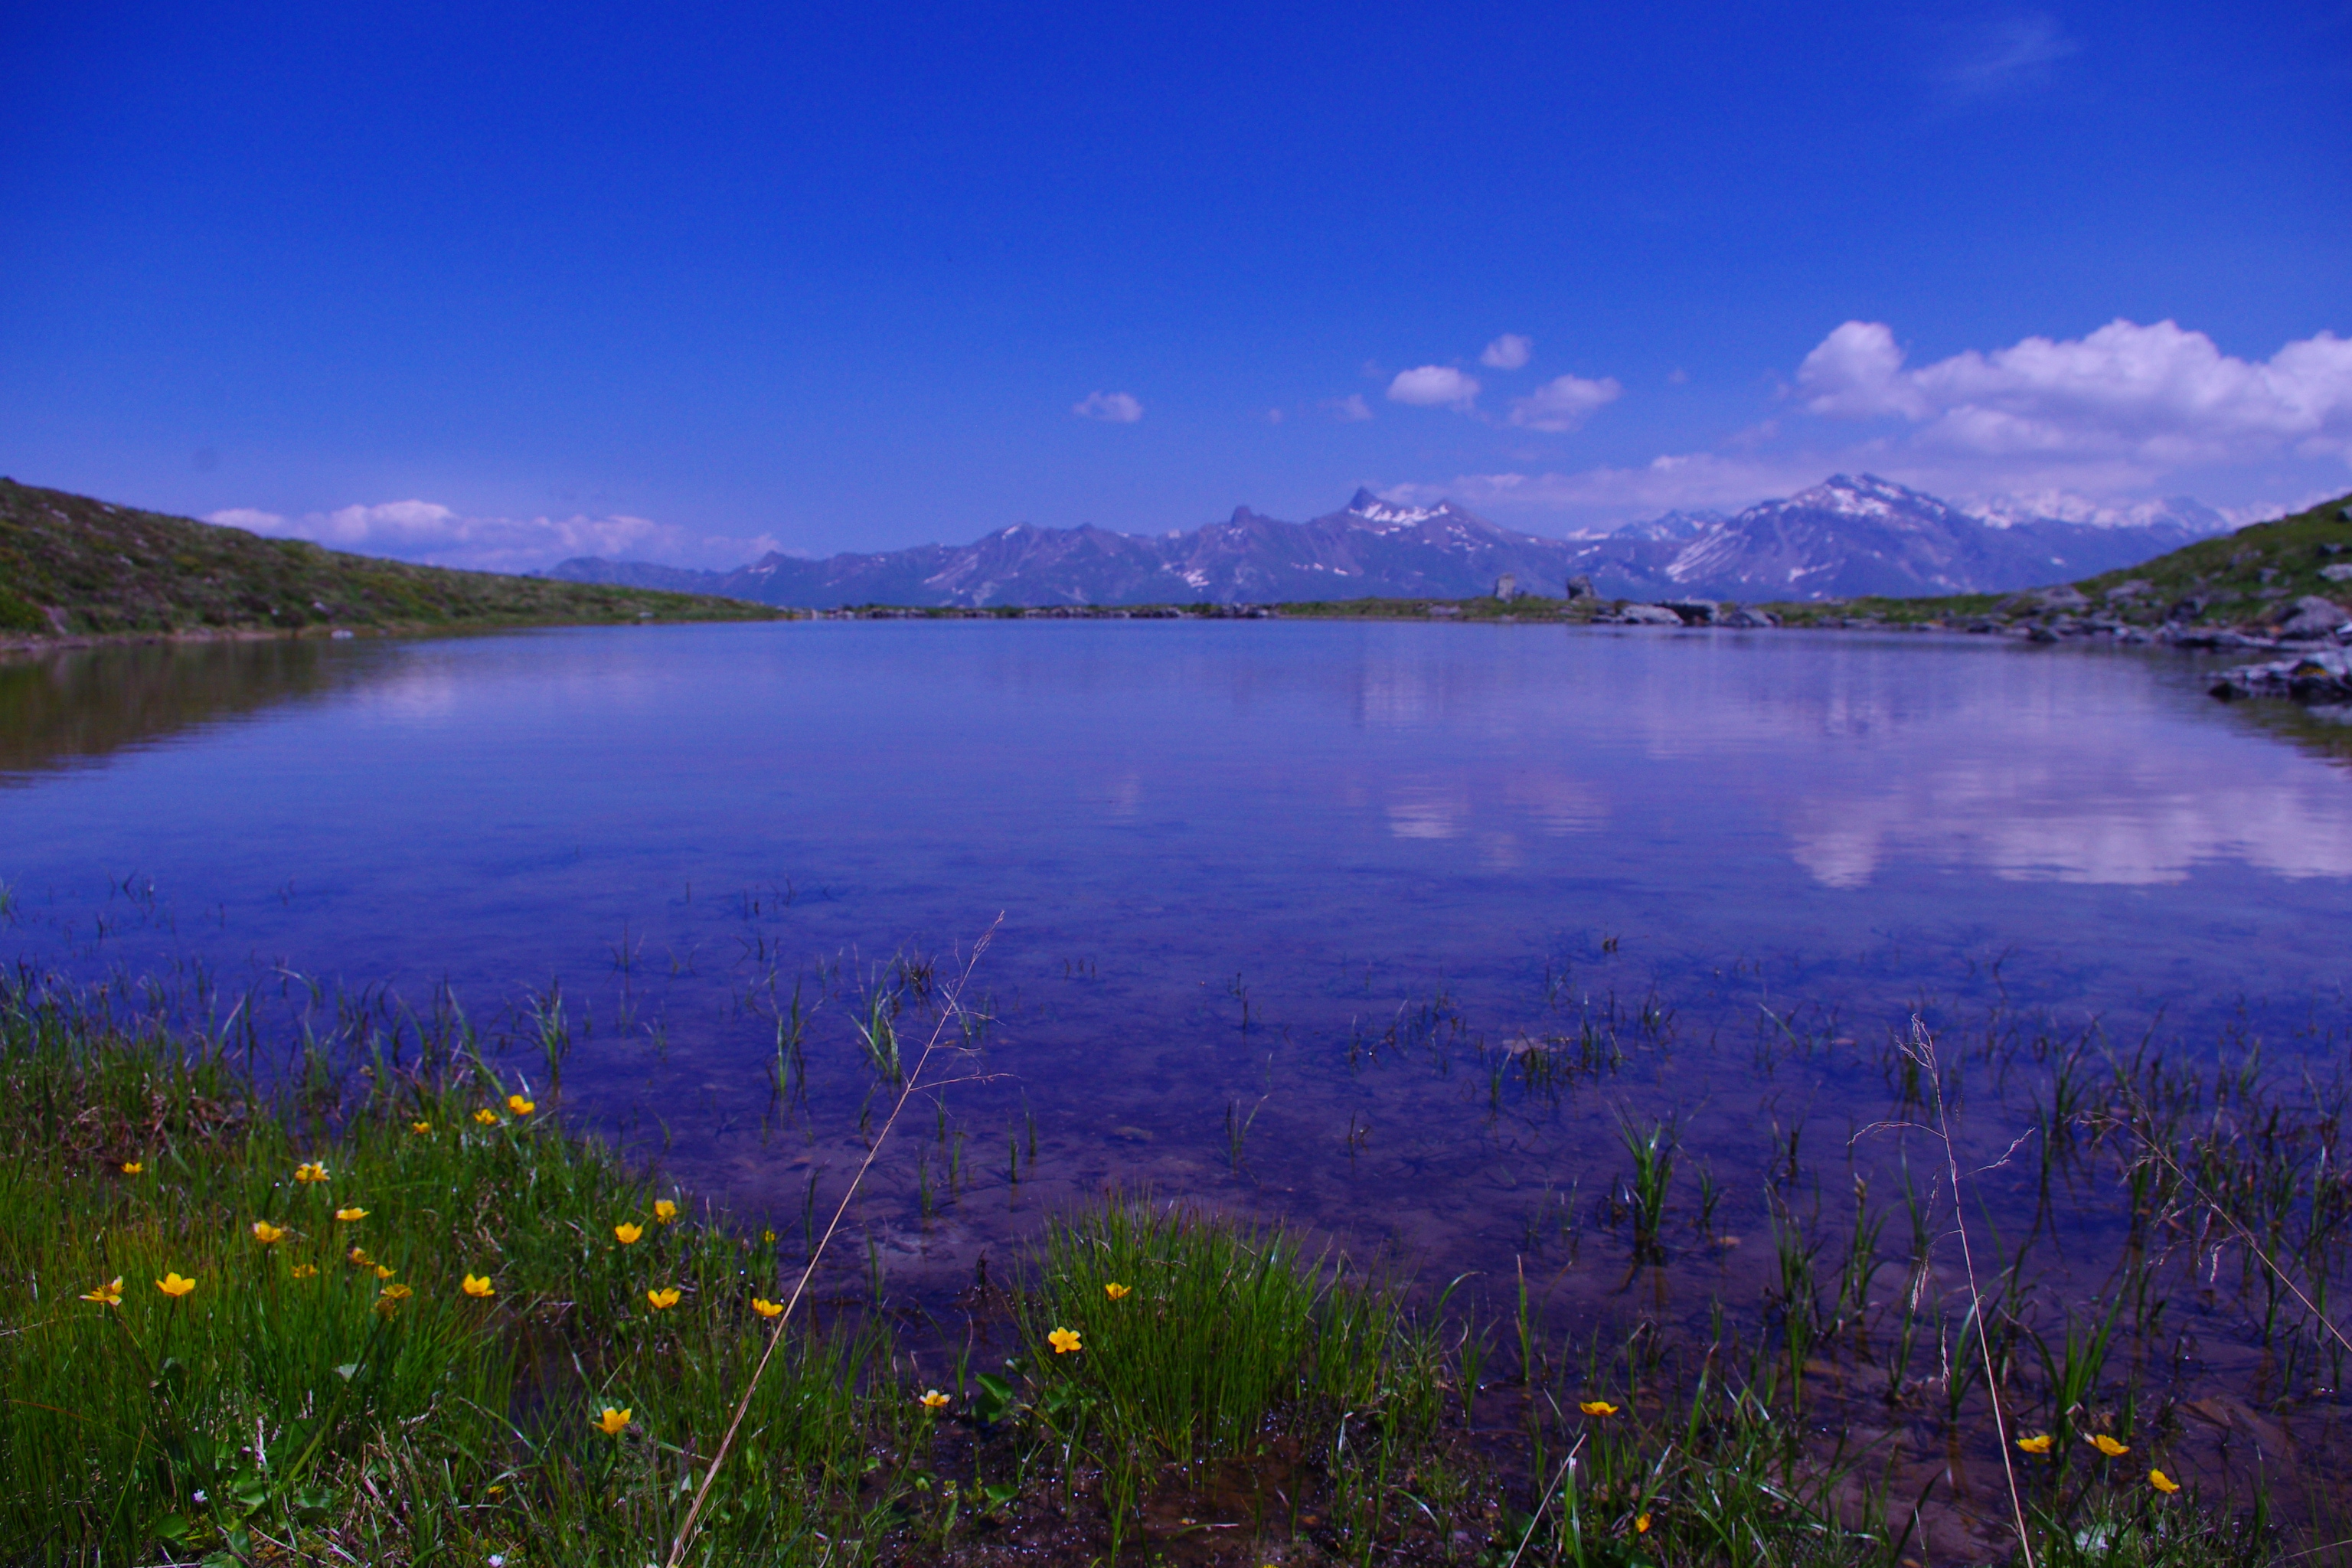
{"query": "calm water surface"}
(1286, 910)
(1328, 821)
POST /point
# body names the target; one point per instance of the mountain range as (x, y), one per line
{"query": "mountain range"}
(1843, 538)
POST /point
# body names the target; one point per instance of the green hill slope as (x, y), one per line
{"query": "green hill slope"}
(2248, 580)
(71, 566)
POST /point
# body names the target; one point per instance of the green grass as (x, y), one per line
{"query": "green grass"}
(73, 566)
(1224, 1376)
(288, 1398)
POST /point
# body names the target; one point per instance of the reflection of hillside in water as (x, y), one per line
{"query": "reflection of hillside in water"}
(88, 704)
(2324, 733)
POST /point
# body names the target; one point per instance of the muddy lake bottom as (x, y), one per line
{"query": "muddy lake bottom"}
(1565, 977)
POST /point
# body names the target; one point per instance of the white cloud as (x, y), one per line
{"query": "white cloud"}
(1689, 481)
(2156, 396)
(1509, 352)
(2013, 55)
(1432, 385)
(1350, 410)
(431, 534)
(1564, 404)
(1110, 407)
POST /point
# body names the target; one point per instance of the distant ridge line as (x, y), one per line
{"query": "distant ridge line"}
(1847, 537)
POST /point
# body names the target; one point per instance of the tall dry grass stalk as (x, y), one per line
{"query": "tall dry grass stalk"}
(951, 1011)
(1921, 1048)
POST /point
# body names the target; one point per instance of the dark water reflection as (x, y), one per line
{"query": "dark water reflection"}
(1384, 930)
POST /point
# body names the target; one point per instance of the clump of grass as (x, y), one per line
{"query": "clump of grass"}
(1165, 1336)
(413, 1299)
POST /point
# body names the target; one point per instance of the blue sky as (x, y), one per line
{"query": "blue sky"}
(495, 285)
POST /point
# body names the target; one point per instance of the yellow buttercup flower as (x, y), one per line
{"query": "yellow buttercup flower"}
(2108, 1446)
(133, 1167)
(520, 1106)
(1118, 1293)
(766, 1308)
(1640, 1524)
(664, 1211)
(1596, 1407)
(479, 1285)
(1064, 1341)
(389, 1300)
(934, 1400)
(487, 1117)
(2037, 1444)
(420, 1128)
(349, 1214)
(663, 1300)
(306, 1271)
(613, 1423)
(2163, 1482)
(107, 1294)
(358, 1255)
(626, 1234)
(173, 1284)
(267, 1234)
(383, 1271)
(309, 1172)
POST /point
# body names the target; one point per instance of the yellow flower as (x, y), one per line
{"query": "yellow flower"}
(2037, 1444)
(358, 1255)
(769, 1236)
(626, 1234)
(479, 1285)
(487, 1117)
(1640, 1524)
(1118, 1293)
(173, 1285)
(107, 1294)
(934, 1400)
(309, 1172)
(663, 1300)
(397, 1293)
(1064, 1341)
(267, 1234)
(305, 1270)
(133, 1167)
(2108, 1446)
(664, 1211)
(385, 1272)
(613, 1423)
(766, 1308)
(349, 1214)
(420, 1128)
(1596, 1407)
(2163, 1482)
(520, 1106)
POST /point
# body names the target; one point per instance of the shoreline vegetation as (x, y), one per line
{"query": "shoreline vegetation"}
(367, 1298)
(76, 571)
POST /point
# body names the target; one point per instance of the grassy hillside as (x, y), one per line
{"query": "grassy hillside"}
(73, 566)
(2242, 579)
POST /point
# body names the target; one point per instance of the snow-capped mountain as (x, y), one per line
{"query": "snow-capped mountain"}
(1842, 538)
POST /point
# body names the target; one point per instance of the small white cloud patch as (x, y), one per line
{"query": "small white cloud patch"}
(1565, 403)
(1433, 387)
(1110, 407)
(435, 535)
(1350, 410)
(1509, 352)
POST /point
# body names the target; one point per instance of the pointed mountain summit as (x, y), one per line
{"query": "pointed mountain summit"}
(1849, 535)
